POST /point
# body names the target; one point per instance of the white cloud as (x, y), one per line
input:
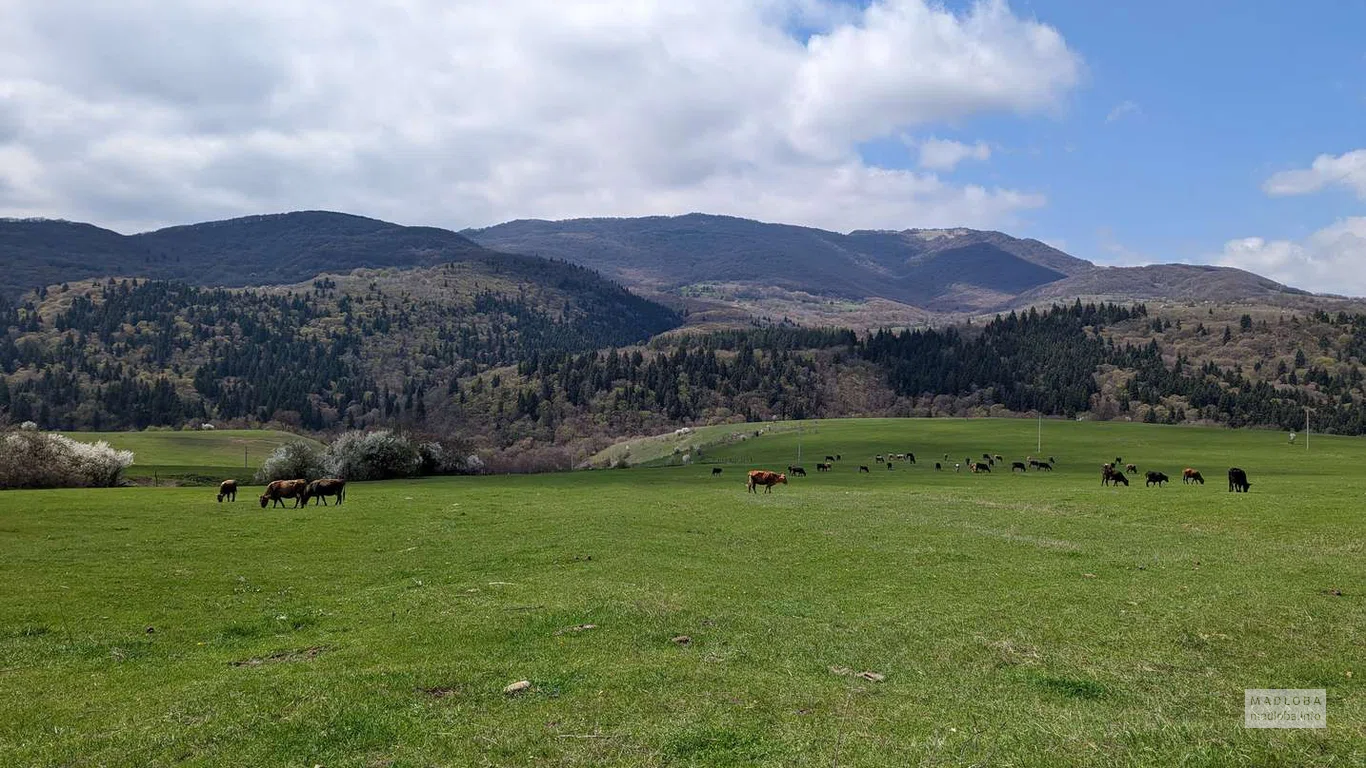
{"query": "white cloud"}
(1348, 169)
(1328, 261)
(1123, 110)
(946, 154)
(143, 113)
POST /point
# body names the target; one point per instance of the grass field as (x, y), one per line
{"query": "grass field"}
(1017, 620)
(214, 454)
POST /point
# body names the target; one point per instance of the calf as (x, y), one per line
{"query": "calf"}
(998, 458)
(227, 490)
(863, 468)
(1017, 465)
(1155, 478)
(1131, 468)
(758, 477)
(1237, 481)
(1189, 476)
(716, 470)
(829, 458)
(321, 489)
(284, 489)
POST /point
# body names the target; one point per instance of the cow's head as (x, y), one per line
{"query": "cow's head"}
(264, 500)
(782, 479)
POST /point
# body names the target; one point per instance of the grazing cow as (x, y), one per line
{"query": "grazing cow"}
(765, 478)
(978, 466)
(910, 457)
(991, 462)
(986, 456)
(1237, 480)
(796, 471)
(957, 467)
(877, 459)
(937, 466)
(837, 457)
(227, 490)
(998, 458)
(863, 467)
(829, 458)
(1131, 468)
(1108, 475)
(1014, 465)
(1189, 476)
(1118, 461)
(321, 489)
(1052, 460)
(890, 465)
(716, 470)
(823, 466)
(1045, 466)
(284, 489)
(1155, 478)
(1035, 463)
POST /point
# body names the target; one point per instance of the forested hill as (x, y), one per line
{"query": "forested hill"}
(344, 350)
(255, 250)
(517, 368)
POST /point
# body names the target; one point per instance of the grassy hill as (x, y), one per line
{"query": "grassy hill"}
(1033, 620)
(220, 453)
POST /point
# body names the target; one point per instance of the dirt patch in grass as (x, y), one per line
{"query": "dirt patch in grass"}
(441, 691)
(303, 654)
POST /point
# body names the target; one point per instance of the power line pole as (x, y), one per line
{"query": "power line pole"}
(1039, 448)
(1307, 410)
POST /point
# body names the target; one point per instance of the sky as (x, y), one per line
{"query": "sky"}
(1223, 132)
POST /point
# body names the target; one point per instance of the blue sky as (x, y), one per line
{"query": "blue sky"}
(1125, 133)
(1223, 95)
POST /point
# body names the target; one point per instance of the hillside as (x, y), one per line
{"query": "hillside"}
(815, 276)
(340, 351)
(256, 250)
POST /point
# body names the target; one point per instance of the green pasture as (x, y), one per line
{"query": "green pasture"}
(207, 456)
(1008, 619)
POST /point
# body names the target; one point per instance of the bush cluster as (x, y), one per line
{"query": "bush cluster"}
(379, 455)
(32, 459)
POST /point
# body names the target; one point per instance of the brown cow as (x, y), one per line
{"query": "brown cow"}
(321, 489)
(1189, 475)
(227, 490)
(284, 489)
(766, 479)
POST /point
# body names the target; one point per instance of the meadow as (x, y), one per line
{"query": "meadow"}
(1007, 619)
(191, 455)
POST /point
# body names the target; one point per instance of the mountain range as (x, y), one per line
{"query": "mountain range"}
(698, 261)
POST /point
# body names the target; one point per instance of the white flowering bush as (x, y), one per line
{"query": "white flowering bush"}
(378, 455)
(293, 461)
(31, 459)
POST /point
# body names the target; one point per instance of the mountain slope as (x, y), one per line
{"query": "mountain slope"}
(256, 250)
(936, 269)
(1170, 282)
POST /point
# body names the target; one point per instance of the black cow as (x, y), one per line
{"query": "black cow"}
(986, 456)
(823, 466)
(1108, 475)
(1017, 465)
(716, 470)
(1237, 480)
(889, 465)
(937, 467)
(1155, 478)
(863, 468)
(796, 471)
(1131, 468)
(910, 457)
(1045, 466)
(837, 457)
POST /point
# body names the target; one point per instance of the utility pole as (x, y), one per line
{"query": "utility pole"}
(1039, 448)
(1307, 411)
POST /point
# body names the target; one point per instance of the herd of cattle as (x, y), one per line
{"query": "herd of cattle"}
(299, 490)
(1110, 472)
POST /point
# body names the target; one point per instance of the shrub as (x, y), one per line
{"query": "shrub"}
(30, 459)
(292, 461)
(378, 455)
